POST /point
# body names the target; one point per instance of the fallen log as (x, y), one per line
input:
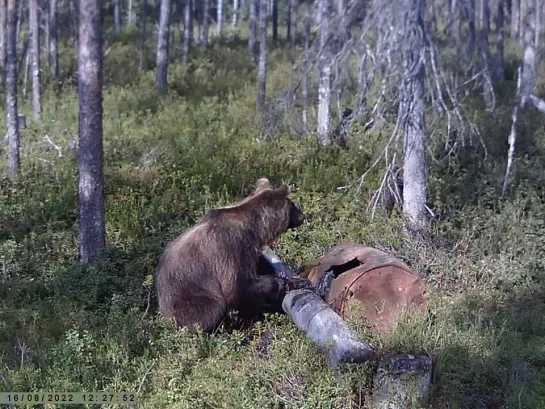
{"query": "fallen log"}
(319, 322)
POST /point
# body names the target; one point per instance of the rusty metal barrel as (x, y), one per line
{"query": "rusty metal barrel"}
(366, 284)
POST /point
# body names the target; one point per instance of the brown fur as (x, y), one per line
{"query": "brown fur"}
(217, 265)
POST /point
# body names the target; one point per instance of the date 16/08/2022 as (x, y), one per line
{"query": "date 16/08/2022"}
(67, 398)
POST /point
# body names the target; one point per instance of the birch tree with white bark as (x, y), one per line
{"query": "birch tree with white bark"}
(263, 56)
(219, 22)
(12, 113)
(35, 58)
(188, 30)
(324, 72)
(53, 56)
(162, 45)
(236, 12)
(252, 28)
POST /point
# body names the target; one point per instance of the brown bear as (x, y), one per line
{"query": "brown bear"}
(217, 266)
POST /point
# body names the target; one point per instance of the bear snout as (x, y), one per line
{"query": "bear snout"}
(297, 217)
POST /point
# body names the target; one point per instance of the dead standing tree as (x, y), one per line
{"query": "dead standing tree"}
(381, 71)
(412, 110)
(378, 51)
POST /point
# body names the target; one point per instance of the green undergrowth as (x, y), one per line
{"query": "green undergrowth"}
(170, 158)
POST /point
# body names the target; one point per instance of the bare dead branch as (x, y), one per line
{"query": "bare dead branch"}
(50, 142)
(538, 103)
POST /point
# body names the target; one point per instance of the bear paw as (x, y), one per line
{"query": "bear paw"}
(297, 283)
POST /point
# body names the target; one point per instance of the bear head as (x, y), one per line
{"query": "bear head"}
(278, 201)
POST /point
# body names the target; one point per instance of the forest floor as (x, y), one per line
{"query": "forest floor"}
(170, 158)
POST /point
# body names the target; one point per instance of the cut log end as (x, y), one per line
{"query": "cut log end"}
(402, 381)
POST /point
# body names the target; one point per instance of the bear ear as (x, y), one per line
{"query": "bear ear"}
(283, 190)
(262, 184)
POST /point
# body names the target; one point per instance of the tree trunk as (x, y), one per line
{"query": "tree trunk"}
(205, 26)
(362, 85)
(22, 56)
(252, 27)
(472, 36)
(236, 7)
(12, 119)
(485, 16)
(117, 15)
(433, 15)
(500, 60)
(3, 46)
(26, 68)
(484, 46)
(515, 18)
(143, 38)
(46, 33)
(324, 68)
(529, 62)
(20, 19)
(522, 17)
(262, 68)
(457, 24)
(53, 41)
(292, 25)
(188, 30)
(451, 25)
(343, 28)
(130, 12)
(75, 6)
(275, 20)
(413, 117)
(197, 10)
(306, 68)
(538, 11)
(162, 45)
(219, 26)
(35, 58)
(90, 159)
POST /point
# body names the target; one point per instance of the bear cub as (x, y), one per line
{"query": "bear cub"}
(217, 266)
